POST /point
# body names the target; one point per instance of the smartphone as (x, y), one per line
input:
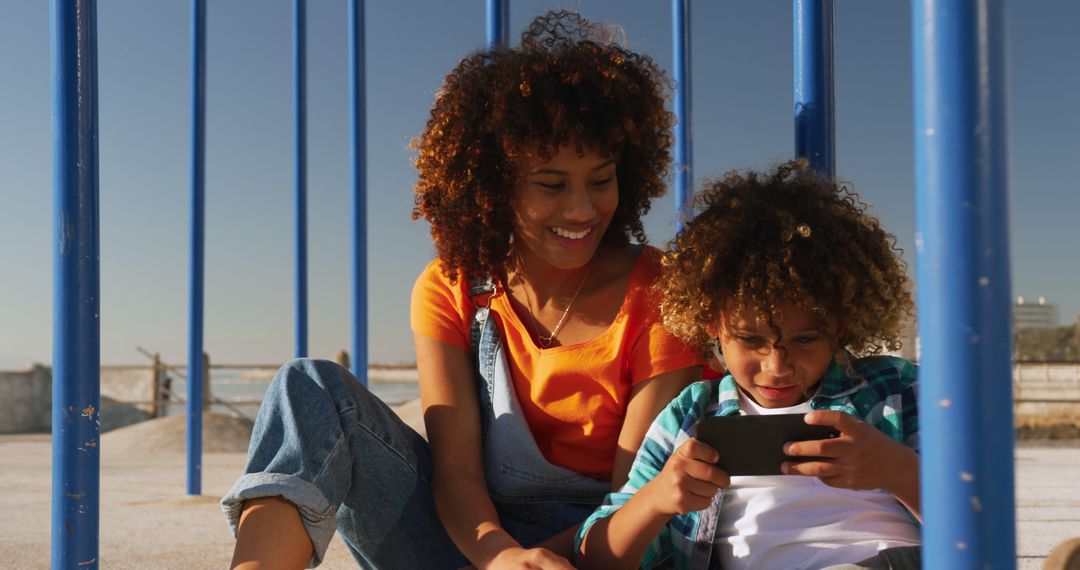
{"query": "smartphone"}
(754, 445)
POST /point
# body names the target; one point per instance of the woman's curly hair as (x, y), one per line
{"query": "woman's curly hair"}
(567, 82)
(791, 235)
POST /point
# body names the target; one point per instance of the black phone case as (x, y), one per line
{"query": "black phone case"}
(754, 445)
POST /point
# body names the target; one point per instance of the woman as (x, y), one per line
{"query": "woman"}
(541, 355)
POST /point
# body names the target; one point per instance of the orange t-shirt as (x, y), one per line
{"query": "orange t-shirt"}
(574, 397)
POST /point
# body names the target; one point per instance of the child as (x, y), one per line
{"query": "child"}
(788, 278)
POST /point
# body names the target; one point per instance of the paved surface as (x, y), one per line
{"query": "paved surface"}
(146, 520)
(1047, 499)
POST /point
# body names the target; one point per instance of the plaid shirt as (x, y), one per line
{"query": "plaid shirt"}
(882, 392)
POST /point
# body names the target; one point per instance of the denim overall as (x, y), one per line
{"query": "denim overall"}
(325, 443)
(519, 478)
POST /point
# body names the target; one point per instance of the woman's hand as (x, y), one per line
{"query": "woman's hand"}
(530, 559)
(861, 458)
(688, 481)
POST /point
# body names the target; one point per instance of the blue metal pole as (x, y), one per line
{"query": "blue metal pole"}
(815, 130)
(300, 144)
(195, 364)
(358, 148)
(497, 23)
(963, 288)
(684, 166)
(76, 397)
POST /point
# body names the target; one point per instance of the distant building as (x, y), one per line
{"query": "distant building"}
(911, 347)
(1040, 315)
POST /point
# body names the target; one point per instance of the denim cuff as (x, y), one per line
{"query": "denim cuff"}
(315, 511)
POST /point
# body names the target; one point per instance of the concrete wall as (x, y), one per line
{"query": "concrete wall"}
(1047, 400)
(1055, 385)
(133, 384)
(26, 400)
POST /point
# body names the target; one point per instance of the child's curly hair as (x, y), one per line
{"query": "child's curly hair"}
(789, 235)
(567, 82)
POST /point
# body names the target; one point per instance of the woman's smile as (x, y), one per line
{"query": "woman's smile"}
(573, 240)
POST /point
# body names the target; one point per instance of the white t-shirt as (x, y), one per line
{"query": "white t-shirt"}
(791, 521)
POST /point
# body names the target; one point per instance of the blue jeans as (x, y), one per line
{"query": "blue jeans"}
(325, 443)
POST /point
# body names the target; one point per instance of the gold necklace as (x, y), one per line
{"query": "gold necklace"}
(545, 342)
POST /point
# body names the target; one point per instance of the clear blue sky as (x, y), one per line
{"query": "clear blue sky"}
(742, 118)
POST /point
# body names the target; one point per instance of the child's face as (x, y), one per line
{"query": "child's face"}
(563, 206)
(777, 375)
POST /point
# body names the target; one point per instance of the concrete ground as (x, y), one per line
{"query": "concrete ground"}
(1047, 499)
(147, 521)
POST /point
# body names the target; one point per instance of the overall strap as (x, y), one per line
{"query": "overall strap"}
(515, 469)
(481, 290)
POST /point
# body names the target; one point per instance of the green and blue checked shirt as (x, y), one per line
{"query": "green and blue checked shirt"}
(881, 391)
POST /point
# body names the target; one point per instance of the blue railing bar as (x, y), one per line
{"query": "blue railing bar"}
(684, 166)
(300, 147)
(962, 239)
(76, 398)
(358, 148)
(195, 376)
(815, 128)
(497, 19)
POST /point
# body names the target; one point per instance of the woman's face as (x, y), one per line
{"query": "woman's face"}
(563, 206)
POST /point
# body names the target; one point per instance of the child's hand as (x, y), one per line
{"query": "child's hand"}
(688, 481)
(861, 458)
